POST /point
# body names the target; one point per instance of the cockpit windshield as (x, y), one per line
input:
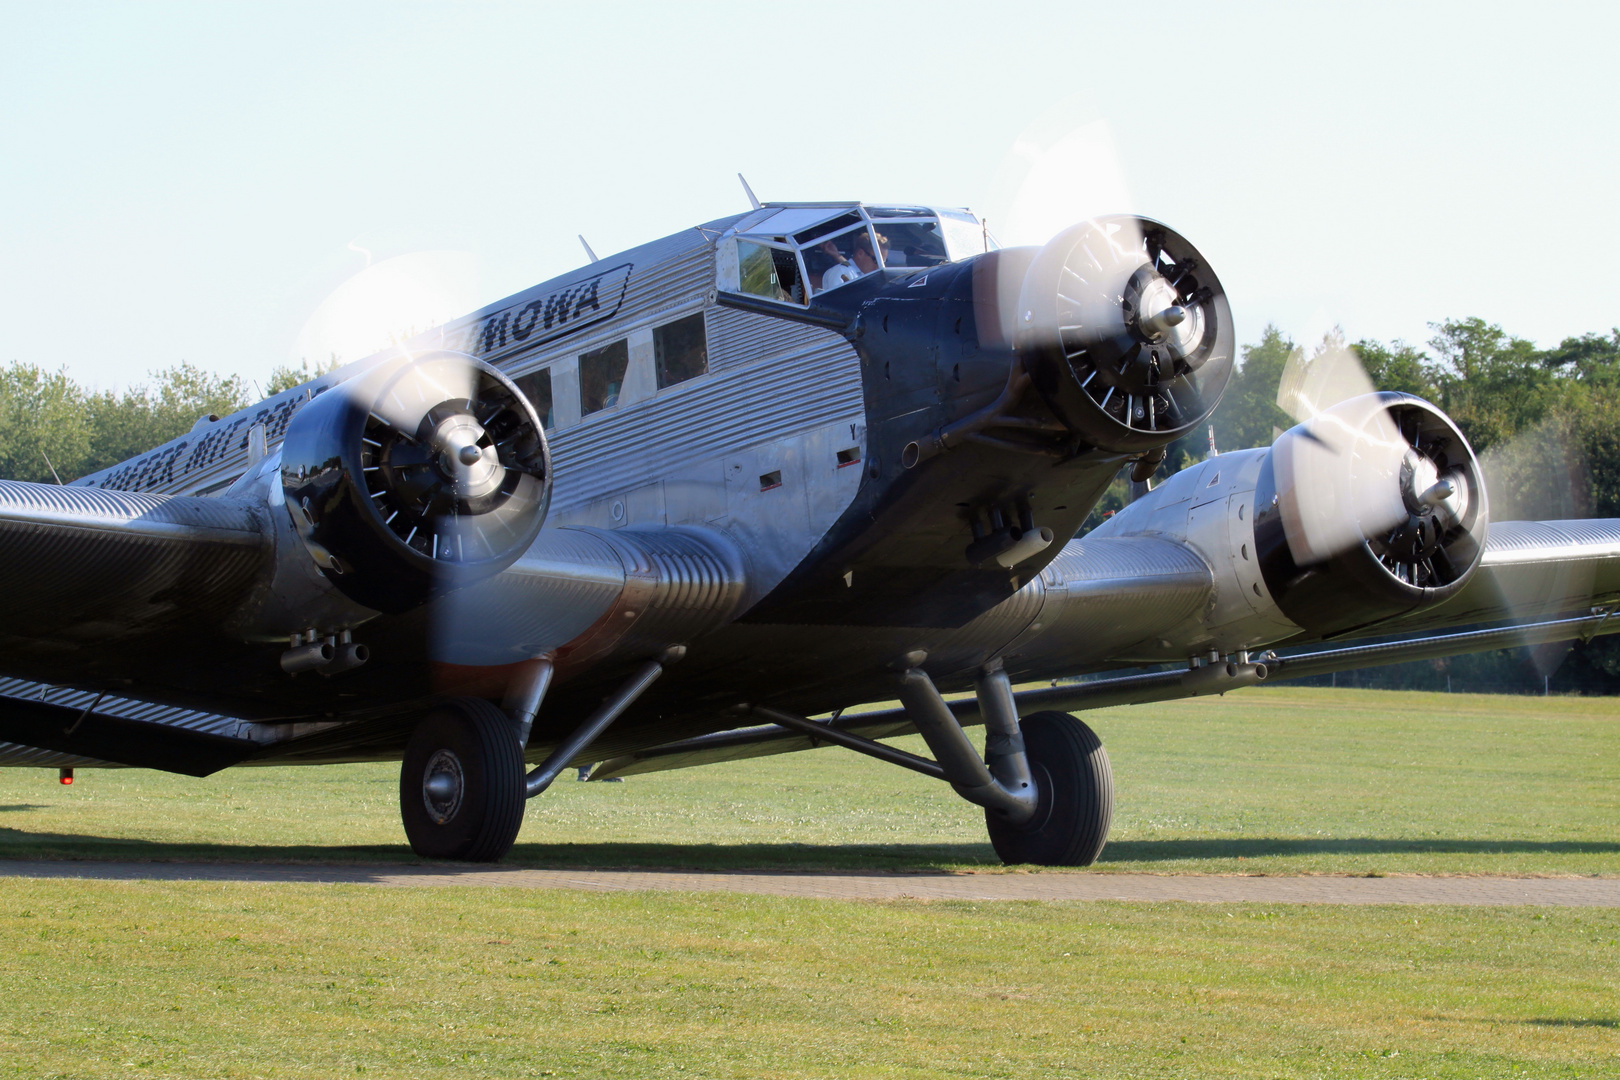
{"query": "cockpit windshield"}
(793, 253)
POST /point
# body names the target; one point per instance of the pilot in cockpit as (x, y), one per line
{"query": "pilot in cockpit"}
(838, 270)
(859, 263)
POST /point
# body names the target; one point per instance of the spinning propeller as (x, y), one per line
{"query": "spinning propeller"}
(1368, 467)
(1126, 332)
(421, 476)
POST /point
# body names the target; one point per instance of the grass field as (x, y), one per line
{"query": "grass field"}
(120, 979)
(204, 980)
(1264, 781)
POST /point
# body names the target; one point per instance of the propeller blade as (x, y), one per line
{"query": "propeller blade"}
(1332, 375)
(1062, 168)
(402, 403)
(1535, 476)
(1345, 458)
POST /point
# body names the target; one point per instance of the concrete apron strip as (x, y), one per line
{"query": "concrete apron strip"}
(1197, 888)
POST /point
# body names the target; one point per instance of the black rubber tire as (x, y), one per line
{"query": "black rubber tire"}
(1076, 791)
(483, 825)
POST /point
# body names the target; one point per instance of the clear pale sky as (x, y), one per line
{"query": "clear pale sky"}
(195, 182)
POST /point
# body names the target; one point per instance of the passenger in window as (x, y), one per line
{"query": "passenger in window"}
(680, 350)
(601, 374)
(536, 386)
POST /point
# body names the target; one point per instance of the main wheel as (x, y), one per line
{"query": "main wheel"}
(1075, 786)
(461, 790)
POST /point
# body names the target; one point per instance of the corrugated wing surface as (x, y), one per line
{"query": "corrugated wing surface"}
(1534, 569)
(86, 565)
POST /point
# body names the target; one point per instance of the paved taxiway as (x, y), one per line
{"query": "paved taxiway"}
(1201, 888)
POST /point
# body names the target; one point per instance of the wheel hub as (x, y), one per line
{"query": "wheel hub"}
(443, 785)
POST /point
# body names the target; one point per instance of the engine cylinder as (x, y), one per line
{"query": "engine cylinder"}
(1350, 531)
(424, 475)
(1126, 332)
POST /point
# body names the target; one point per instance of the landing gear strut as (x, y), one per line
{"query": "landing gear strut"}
(462, 788)
(461, 785)
(1045, 783)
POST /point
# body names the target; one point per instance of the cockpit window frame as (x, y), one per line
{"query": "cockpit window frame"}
(773, 243)
(830, 221)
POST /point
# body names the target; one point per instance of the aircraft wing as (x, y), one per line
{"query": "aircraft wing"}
(1539, 581)
(82, 565)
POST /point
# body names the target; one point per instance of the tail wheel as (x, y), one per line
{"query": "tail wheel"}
(1076, 787)
(461, 785)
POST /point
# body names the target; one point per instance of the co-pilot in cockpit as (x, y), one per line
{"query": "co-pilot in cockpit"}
(791, 253)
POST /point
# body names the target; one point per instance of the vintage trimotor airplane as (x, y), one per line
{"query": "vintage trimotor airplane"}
(665, 509)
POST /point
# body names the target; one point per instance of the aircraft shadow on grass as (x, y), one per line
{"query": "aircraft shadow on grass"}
(1262, 846)
(18, 844)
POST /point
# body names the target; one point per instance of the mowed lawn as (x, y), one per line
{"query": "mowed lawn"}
(110, 979)
(196, 979)
(1275, 780)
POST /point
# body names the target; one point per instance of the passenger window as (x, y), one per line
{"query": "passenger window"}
(536, 386)
(601, 376)
(769, 272)
(911, 243)
(681, 349)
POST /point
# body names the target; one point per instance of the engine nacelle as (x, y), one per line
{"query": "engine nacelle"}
(1126, 333)
(1357, 522)
(424, 475)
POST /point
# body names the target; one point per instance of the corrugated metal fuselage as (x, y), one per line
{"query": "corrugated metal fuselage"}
(758, 513)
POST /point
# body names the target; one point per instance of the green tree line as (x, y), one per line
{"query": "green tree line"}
(1545, 422)
(54, 429)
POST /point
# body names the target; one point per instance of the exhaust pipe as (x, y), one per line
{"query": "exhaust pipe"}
(317, 654)
(336, 654)
(346, 657)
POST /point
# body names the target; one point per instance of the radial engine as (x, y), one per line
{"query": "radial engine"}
(425, 475)
(1367, 511)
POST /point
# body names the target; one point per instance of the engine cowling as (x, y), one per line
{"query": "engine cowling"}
(422, 476)
(1126, 332)
(1350, 530)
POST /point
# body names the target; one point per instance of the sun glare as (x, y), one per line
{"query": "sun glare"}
(389, 302)
(1048, 183)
